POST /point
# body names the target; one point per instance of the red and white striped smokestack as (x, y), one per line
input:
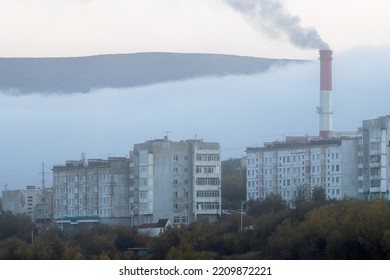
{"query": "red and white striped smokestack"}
(326, 105)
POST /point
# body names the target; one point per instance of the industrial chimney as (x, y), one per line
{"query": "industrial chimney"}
(326, 105)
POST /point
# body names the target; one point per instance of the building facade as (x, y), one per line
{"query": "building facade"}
(92, 189)
(37, 203)
(179, 181)
(303, 163)
(373, 159)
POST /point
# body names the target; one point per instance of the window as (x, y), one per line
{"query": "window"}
(176, 220)
(212, 169)
(143, 206)
(175, 182)
(213, 157)
(208, 181)
(207, 193)
(176, 157)
(175, 170)
(207, 205)
(186, 169)
(175, 206)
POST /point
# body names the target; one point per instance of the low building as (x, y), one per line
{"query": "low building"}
(37, 203)
(154, 229)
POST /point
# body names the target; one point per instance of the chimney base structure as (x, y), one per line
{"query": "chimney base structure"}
(325, 110)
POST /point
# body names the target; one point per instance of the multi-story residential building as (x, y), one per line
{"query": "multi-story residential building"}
(305, 163)
(179, 181)
(95, 188)
(373, 159)
(37, 203)
(161, 179)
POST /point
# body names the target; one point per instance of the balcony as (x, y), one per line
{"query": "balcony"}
(375, 164)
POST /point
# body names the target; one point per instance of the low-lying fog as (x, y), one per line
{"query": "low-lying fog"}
(237, 111)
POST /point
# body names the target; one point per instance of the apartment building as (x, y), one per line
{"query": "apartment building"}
(37, 203)
(305, 163)
(179, 181)
(373, 159)
(92, 190)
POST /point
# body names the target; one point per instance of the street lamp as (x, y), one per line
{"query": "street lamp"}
(241, 213)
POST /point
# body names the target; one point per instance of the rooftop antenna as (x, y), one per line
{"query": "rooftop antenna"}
(166, 138)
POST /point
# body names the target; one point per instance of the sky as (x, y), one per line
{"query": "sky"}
(240, 111)
(41, 28)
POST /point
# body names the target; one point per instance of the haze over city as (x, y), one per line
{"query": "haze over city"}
(237, 111)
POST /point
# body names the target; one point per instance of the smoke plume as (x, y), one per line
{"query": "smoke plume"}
(270, 17)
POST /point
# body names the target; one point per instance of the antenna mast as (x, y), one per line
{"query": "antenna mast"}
(43, 175)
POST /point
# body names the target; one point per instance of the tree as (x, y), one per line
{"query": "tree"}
(372, 224)
(233, 183)
(18, 225)
(14, 248)
(127, 238)
(318, 196)
(185, 251)
(51, 245)
(272, 203)
(97, 242)
(160, 246)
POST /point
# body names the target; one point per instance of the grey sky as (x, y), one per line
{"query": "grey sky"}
(76, 28)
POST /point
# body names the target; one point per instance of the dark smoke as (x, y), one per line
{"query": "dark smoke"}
(271, 18)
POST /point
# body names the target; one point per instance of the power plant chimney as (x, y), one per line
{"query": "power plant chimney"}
(326, 105)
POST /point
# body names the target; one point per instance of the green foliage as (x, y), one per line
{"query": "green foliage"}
(371, 227)
(127, 238)
(161, 246)
(14, 248)
(51, 245)
(272, 203)
(315, 229)
(318, 196)
(17, 225)
(185, 251)
(233, 184)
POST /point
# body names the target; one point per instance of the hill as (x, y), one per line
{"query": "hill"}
(81, 74)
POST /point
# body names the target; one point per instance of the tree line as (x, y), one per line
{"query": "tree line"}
(313, 228)
(349, 229)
